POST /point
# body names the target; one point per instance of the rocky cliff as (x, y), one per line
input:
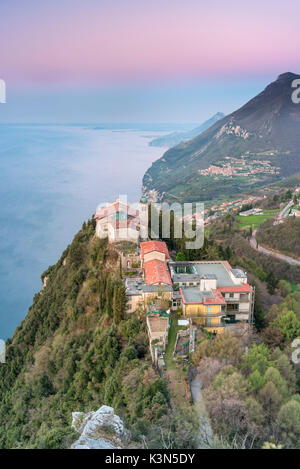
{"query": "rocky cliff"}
(99, 430)
(77, 349)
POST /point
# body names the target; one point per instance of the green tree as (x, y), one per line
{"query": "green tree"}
(228, 253)
(119, 302)
(256, 381)
(180, 257)
(109, 293)
(286, 369)
(270, 400)
(272, 336)
(258, 358)
(121, 268)
(273, 375)
(289, 424)
(289, 325)
(272, 282)
(284, 288)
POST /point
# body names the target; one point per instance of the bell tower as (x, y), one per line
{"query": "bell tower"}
(143, 216)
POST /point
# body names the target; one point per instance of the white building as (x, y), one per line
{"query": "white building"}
(119, 222)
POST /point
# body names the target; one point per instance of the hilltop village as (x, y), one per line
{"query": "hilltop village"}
(204, 295)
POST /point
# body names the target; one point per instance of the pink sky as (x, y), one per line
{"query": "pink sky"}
(98, 41)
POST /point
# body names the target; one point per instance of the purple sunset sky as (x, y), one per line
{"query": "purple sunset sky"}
(137, 60)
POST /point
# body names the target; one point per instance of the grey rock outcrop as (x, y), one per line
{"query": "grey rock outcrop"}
(99, 430)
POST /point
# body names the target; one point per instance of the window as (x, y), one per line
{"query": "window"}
(231, 295)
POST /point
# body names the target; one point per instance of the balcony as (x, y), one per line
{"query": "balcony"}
(206, 315)
(232, 307)
(213, 326)
(244, 298)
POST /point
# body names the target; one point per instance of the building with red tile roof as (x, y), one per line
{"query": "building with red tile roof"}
(245, 288)
(120, 222)
(208, 287)
(156, 273)
(148, 247)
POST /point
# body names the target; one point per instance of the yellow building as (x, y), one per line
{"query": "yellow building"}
(205, 308)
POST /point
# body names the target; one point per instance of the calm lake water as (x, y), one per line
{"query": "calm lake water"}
(51, 179)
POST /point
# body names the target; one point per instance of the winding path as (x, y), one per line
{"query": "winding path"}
(269, 252)
(205, 430)
(285, 210)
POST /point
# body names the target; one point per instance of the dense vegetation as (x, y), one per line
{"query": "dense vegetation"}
(75, 351)
(251, 398)
(284, 237)
(226, 232)
(251, 386)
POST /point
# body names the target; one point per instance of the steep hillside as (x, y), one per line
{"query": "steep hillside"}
(76, 351)
(174, 138)
(255, 146)
(284, 237)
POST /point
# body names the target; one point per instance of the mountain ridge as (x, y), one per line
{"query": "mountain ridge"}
(174, 138)
(265, 129)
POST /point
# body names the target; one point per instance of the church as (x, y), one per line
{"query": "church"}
(120, 222)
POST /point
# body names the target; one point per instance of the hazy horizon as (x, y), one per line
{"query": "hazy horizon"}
(53, 179)
(70, 61)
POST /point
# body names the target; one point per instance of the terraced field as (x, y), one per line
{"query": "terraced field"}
(255, 221)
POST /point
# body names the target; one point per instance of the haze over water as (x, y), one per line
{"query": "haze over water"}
(52, 179)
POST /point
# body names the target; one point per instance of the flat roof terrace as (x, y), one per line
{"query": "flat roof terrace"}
(195, 296)
(186, 278)
(134, 286)
(157, 324)
(219, 270)
(204, 269)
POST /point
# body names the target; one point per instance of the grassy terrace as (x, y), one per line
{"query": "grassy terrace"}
(255, 220)
(174, 328)
(176, 374)
(293, 287)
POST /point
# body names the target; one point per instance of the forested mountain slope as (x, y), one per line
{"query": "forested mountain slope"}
(255, 146)
(76, 351)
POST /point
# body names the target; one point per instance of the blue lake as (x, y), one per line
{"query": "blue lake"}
(51, 179)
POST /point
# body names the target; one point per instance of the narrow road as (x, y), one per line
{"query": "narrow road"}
(284, 211)
(269, 252)
(205, 430)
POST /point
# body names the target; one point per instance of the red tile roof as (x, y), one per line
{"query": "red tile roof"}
(218, 300)
(115, 207)
(244, 288)
(226, 265)
(156, 272)
(150, 246)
